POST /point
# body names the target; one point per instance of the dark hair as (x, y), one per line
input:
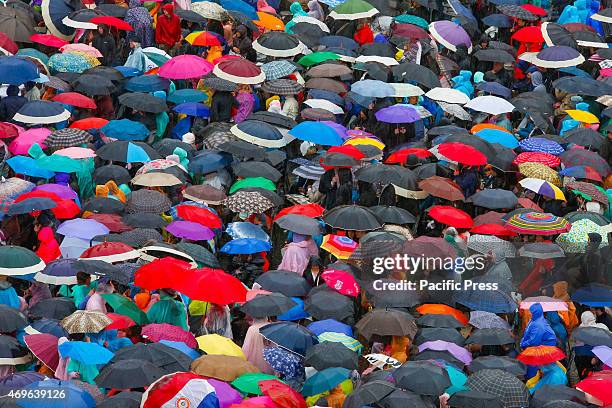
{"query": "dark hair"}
(82, 278)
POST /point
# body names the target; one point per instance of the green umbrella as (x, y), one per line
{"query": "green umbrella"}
(18, 261)
(31, 52)
(353, 10)
(124, 306)
(577, 239)
(157, 59)
(259, 182)
(410, 19)
(317, 58)
(249, 383)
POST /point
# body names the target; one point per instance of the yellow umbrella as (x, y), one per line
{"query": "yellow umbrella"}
(582, 116)
(219, 345)
(540, 171)
(368, 141)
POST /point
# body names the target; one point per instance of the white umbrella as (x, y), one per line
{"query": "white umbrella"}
(388, 61)
(406, 90)
(324, 104)
(493, 105)
(311, 20)
(447, 95)
(455, 110)
(209, 10)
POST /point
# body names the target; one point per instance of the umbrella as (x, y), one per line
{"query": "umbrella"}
(451, 216)
(162, 356)
(439, 320)
(540, 355)
(491, 336)
(325, 303)
(240, 71)
(393, 215)
(450, 35)
(542, 187)
(507, 364)
(55, 308)
(85, 321)
(278, 44)
(41, 112)
(259, 133)
(386, 322)
(127, 152)
(424, 377)
(492, 105)
(125, 399)
(352, 217)
(581, 157)
(250, 202)
(173, 387)
(460, 353)
(273, 304)
(316, 132)
(324, 380)
(557, 395)
(494, 198)
(372, 88)
(278, 69)
(494, 88)
(515, 11)
(594, 295)
(214, 344)
(353, 10)
(93, 85)
(17, 71)
(330, 354)
(285, 282)
(210, 10)
(111, 252)
(509, 389)
(398, 114)
(11, 320)
(588, 191)
(556, 34)
(584, 137)
(16, 261)
(225, 368)
(290, 336)
(85, 352)
(185, 67)
(299, 224)
(577, 239)
(16, 24)
(593, 336)
(537, 223)
(143, 102)
(497, 20)
(582, 86)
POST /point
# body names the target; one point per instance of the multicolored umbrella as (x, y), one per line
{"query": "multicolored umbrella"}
(537, 224)
(577, 239)
(543, 187)
(589, 191)
(339, 246)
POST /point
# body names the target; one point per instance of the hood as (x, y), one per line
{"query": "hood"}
(560, 290)
(46, 234)
(536, 311)
(478, 77)
(457, 80)
(536, 78)
(12, 90)
(587, 319)
(580, 4)
(467, 75)
(583, 106)
(296, 8)
(169, 8)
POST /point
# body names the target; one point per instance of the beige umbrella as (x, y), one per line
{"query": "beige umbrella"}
(224, 368)
(85, 321)
(156, 180)
(209, 10)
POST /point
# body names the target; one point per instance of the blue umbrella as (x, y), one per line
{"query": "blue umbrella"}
(297, 312)
(60, 272)
(327, 95)
(31, 52)
(31, 204)
(49, 326)
(41, 112)
(325, 380)
(18, 380)
(372, 88)
(460, 9)
(187, 95)
(68, 62)
(498, 136)
(128, 72)
(398, 114)
(240, 6)
(338, 41)
(84, 352)
(494, 301)
(539, 144)
(73, 396)
(55, 11)
(193, 109)
(28, 167)
(363, 101)
(125, 129)
(290, 336)
(147, 83)
(330, 325)
(494, 88)
(127, 152)
(238, 230)
(208, 161)
(245, 246)
(259, 133)
(316, 132)
(182, 347)
(17, 71)
(576, 72)
(594, 295)
(497, 20)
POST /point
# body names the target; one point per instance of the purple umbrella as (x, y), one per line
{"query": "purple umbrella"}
(539, 144)
(557, 56)
(450, 35)
(604, 353)
(190, 230)
(398, 114)
(18, 381)
(82, 228)
(457, 351)
(341, 130)
(226, 394)
(61, 190)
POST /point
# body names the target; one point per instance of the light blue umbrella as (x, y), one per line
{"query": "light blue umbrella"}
(182, 347)
(372, 88)
(125, 129)
(316, 132)
(72, 396)
(31, 52)
(84, 352)
(241, 6)
(245, 246)
(187, 95)
(325, 380)
(68, 62)
(28, 167)
(498, 136)
(238, 230)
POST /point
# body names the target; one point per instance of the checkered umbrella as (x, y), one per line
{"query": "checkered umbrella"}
(282, 87)
(67, 137)
(515, 11)
(216, 134)
(85, 321)
(512, 392)
(219, 84)
(489, 243)
(248, 202)
(278, 69)
(147, 201)
(588, 191)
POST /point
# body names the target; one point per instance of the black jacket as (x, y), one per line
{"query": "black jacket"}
(105, 43)
(221, 106)
(10, 104)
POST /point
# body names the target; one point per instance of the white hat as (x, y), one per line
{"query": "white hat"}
(189, 138)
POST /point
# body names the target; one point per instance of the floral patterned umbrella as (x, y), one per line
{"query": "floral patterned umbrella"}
(577, 239)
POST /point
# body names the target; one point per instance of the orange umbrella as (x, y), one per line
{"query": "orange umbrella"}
(269, 22)
(477, 128)
(541, 355)
(89, 123)
(435, 308)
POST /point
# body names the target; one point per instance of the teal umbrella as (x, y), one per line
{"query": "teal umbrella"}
(19, 261)
(325, 380)
(410, 19)
(31, 52)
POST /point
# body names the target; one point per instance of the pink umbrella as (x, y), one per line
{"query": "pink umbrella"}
(164, 331)
(87, 49)
(341, 281)
(185, 67)
(254, 292)
(63, 191)
(548, 304)
(25, 140)
(44, 348)
(76, 153)
(440, 345)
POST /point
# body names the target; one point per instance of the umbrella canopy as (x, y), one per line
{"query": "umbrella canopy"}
(353, 10)
(239, 71)
(509, 389)
(278, 44)
(185, 67)
(450, 35)
(424, 377)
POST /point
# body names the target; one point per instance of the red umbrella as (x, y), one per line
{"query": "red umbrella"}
(111, 252)
(8, 130)
(348, 150)
(7, 44)
(75, 99)
(162, 273)
(282, 394)
(527, 203)
(409, 31)
(200, 215)
(342, 282)
(44, 348)
(537, 157)
(452, 216)
(491, 217)
(492, 229)
(89, 123)
(119, 322)
(309, 210)
(112, 22)
(541, 355)
(164, 331)
(66, 209)
(598, 385)
(49, 40)
(214, 286)
(112, 221)
(462, 153)
(402, 156)
(531, 34)
(538, 11)
(39, 194)
(240, 71)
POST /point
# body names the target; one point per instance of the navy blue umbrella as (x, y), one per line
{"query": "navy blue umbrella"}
(494, 88)
(594, 295)
(31, 204)
(44, 325)
(290, 336)
(60, 272)
(17, 71)
(147, 83)
(54, 12)
(497, 20)
(208, 161)
(41, 112)
(338, 41)
(259, 133)
(193, 109)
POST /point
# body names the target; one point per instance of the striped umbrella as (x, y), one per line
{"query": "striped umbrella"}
(535, 223)
(543, 187)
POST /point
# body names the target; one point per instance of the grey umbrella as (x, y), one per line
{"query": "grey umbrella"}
(331, 354)
(494, 198)
(273, 304)
(390, 298)
(325, 303)
(508, 364)
(393, 215)
(593, 336)
(511, 391)
(16, 24)
(129, 373)
(352, 217)
(125, 399)
(422, 377)
(401, 399)
(369, 393)
(439, 320)
(256, 169)
(541, 250)
(200, 254)
(491, 337)
(386, 322)
(475, 399)
(548, 393)
(387, 174)
(433, 333)
(143, 102)
(299, 224)
(11, 319)
(286, 282)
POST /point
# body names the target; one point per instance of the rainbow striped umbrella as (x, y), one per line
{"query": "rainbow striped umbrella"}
(537, 223)
(339, 246)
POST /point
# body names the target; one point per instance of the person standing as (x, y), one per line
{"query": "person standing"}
(104, 42)
(168, 29)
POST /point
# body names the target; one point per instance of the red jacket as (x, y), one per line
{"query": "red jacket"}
(168, 29)
(48, 248)
(364, 35)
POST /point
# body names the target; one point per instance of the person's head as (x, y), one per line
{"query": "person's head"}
(536, 311)
(102, 29)
(315, 264)
(413, 100)
(168, 10)
(134, 44)
(83, 278)
(12, 90)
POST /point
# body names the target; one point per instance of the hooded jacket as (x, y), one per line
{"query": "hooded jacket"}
(168, 29)
(10, 104)
(538, 331)
(48, 249)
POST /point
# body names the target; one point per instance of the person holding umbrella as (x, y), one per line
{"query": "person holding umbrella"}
(11, 103)
(104, 42)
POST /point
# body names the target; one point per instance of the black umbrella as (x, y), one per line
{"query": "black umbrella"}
(243, 19)
(493, 55)
(118, 174)
(285, 282)
(582, 86)
(422, 377)
(31, 204)
(17, 24)
(55, 308)
(368, 394)
(331, 354)
(392, 214)
(433, 333)
(375, 70)
(246, 150)
(510, 390)
(125, 399)
(299, 224)
(427, 170)
(584, 137)
(325, 303)
(334, 159)
(352, 217)
(556, 34)
(144, 102)
(119, 151)
(106, 72)
(582, 157)
(166, 147)
(502, 46)
(144, 220)
(388, 174)
(11, 319)
(451, 130)
(309, 34)
(491, 337)
(438, 355)
(588, 36)
(117, 272)
(408, 72)
(382, 298)
(256, 169)
(273, 304)
(439, 320)
(508, 364)
(581, 215)
(189, 15)
(278, 44)
(378, 49)
(200, 254)
(548, 393)
(129, 373)
(275, 119)
(386, 322)
(113, 10)
(168, 359)
(593, 336)
(401, 399)
(494, 198)
(103, 205)
(605, 53)
(12, 352)
(93, 85)
(474, 399)
(503, 159)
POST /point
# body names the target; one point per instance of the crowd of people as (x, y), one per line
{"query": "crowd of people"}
(287, 204)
